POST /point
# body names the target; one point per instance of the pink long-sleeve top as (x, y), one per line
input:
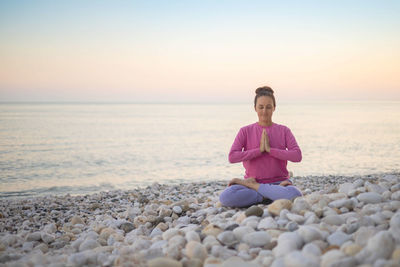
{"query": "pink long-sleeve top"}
(265, 167)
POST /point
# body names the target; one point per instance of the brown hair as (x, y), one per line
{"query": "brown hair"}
(264, 91)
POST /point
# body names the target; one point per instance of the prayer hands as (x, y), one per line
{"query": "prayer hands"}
(264, 142)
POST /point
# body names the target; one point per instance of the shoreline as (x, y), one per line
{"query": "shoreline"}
(24, 194)
(341, 220)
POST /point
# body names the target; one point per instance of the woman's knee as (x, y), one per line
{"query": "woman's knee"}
(239, 196)
(294, 192)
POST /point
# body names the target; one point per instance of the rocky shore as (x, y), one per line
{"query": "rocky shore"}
(340, 221)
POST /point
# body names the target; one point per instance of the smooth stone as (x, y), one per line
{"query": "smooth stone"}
(47, 238)
(395, 187)
(374, 188)
(28, 246)
(287, 242)
(210, 241)
(156, 232)
(277, 206)
(78, 259)
(88, 244)
(232, 227)
(177, 241)
(212, 229)
(351, 249)
(35, 236)
(192, 236)
(292, 226)
(164, 262)
(42, 247)
(331, 257)
(309, 233)
(296, 218)
(227, 238)
(395, 226)
(395, 196)
(177, 209)
(50, 228)
(333, 219)
(297, 259)
(338, 238)
(241, 231)
(192, 263)
(311, 249)
(342, 203)
(396, 254)
(267, 223)
(257, 239)
(76, 220)
(370, 197)
(237, 262)
(380, 246)
(254, 211)
(132, 212)
(363, 234)
(195, 250)
(127, 227)
(171, 233)
(346, 188)
(300, 204)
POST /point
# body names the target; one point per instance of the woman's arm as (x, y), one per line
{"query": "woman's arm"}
(293, 152)
(237, 154)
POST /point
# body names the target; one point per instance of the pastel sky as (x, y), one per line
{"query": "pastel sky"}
(199, 51)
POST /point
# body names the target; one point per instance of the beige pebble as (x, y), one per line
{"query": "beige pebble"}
(164, 262)
(396, 254)
(278, 205)
(76, 220)
(212, 229)
(352, 249)
(195, 250)
(162, 226)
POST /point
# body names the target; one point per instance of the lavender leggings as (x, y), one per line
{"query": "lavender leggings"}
(239, 196)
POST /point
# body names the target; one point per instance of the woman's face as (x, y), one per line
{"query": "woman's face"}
(265, 108)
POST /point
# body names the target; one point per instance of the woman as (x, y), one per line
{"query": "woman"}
(264, 148)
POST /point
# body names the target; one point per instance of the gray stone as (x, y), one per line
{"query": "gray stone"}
(297, 259)
(380, 246)
(370, 197)
(333, 220)
(257, 239)
(127, 227)
(338, 238)
(267, 223)
(227, 238)
(254, 211)
(88, 244)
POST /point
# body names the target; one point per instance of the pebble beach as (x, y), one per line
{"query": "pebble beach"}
(339, 221)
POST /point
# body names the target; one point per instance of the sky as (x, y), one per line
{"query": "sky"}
(199, 51)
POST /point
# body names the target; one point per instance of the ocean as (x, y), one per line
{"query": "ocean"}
(80, 148)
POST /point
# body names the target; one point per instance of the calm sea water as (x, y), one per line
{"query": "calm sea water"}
(86, 148)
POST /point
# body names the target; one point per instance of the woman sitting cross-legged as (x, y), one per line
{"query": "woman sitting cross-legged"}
(264, 148)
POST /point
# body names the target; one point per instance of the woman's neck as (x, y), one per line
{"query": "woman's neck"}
(265, 123)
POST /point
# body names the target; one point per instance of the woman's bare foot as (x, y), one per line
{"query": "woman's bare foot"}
(249, 182)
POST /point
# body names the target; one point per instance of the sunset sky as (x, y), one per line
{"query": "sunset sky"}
(199, 51)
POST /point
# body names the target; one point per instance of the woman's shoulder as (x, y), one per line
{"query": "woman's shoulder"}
(281, 127)
(249, 127)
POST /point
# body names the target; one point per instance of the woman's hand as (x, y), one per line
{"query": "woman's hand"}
(234, 181)
(266, 145)
(262, 141)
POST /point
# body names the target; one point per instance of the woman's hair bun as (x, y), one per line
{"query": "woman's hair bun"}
(264, 90)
